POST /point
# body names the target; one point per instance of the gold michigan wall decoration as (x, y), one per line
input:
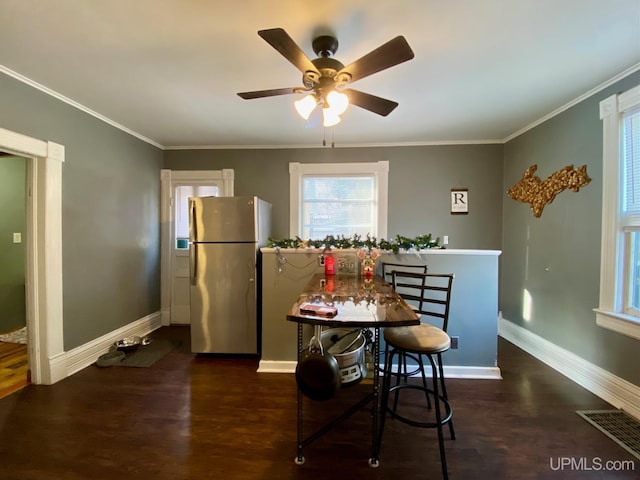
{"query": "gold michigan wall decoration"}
(538, 193)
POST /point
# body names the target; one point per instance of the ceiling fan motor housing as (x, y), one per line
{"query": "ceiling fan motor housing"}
(325, 45)
(328, 68)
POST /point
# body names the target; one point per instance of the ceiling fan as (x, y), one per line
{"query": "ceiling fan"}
(325, 79)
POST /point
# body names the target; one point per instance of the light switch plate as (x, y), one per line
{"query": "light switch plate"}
(17, 237)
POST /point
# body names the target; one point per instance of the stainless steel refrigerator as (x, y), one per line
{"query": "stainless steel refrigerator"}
(225, 234)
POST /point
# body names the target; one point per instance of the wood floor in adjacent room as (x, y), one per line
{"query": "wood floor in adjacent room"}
(14, 367)
(202, 417)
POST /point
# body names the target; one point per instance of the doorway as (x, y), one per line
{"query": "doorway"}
(177, 187)
(14, 364)
(43, 249)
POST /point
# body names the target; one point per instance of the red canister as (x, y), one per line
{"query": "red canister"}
(329, 285)
(329, 265)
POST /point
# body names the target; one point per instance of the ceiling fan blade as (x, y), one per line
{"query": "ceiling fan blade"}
(392, 53)
(283, 43)
(374, 104)
(269, 93)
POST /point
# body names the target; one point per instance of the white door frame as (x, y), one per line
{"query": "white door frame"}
(44, 254)
(168, 180)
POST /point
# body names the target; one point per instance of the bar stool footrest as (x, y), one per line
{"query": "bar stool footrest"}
(447, 406)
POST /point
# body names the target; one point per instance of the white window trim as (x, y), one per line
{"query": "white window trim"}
(609, 313)
(297, 170)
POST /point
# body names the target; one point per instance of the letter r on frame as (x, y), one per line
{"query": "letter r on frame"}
(459, 201)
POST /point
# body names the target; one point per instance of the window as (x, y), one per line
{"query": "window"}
(630, 219)
(181, 204)
(619, 307)
(338, 199)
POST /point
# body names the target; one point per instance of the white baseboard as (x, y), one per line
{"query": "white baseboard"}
(165, 317)
(276, 366)
(55, 369)
(611, 388)
(450, 371)
(85, 355)
(477, 373)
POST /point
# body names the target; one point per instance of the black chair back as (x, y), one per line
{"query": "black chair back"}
(429, 292)
(388, 267)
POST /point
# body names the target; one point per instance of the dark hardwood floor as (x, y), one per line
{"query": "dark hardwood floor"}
(200, 417)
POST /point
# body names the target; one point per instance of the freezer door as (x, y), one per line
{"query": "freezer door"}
(223, 298)
(222, 219)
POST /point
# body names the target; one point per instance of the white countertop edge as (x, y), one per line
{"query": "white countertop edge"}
(428, 251)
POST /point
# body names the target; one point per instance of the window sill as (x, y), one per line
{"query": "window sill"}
(618, 322)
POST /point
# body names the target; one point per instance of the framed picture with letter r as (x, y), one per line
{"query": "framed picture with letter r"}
(459, 201)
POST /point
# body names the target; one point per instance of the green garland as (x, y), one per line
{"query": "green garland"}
(357, 242)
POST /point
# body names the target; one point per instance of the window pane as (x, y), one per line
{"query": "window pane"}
(337, 206)
(634, 272)
(181, 213)
(630, 156)
(631, 162)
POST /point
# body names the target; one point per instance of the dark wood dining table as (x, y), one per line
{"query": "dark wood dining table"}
(366, 302)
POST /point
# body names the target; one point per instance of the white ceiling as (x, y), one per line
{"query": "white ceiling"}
(169, 70)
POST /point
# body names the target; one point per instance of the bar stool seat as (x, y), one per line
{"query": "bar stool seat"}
(423, 338)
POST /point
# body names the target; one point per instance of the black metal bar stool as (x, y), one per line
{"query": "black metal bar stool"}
(433, 293)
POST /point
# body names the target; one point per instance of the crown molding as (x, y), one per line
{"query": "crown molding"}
(574, 102)
(73, 103)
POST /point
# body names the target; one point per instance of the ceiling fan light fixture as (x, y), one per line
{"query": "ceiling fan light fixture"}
(306, 105)
(329, 117)
(338, 102)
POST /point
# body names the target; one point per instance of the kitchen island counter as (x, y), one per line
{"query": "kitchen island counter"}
(473, 316)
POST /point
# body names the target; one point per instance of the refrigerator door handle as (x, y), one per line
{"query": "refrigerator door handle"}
(193, 251)
(193, 262)
(193, 224)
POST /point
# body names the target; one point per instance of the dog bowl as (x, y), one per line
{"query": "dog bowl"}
(128, 344)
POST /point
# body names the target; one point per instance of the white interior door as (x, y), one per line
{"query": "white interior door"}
(177, 187)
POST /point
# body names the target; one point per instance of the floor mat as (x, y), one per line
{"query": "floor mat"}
(621, 427)
(147, 355)
(18, 336)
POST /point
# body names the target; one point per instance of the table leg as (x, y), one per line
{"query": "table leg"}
(375, 404)
(299, 460)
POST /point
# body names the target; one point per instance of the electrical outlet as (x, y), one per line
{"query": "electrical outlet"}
(454, 342)
(321, 260)
(17, 237)
(445, 240)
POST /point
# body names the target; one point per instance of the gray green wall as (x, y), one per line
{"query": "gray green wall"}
(556, 257)
(110, 212)
(12, 255)
(420, 182)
